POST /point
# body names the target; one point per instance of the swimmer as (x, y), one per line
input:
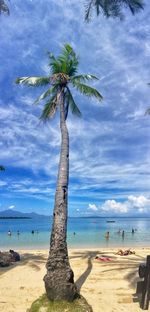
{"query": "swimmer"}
(122, 234)
(107, 235)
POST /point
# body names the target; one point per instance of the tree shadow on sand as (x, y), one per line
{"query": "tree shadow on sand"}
(81, 280)
(31, 259)
(89, 255)
(118, 263)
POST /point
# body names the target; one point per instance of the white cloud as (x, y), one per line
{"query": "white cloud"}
(114, 206)
(141, 210)
(133, 205)
(11, 207)
(139, 201)
(93, 207)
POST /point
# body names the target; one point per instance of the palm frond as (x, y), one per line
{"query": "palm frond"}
(147, 111)
(87, 90)
(88, 10)
(49, 108)
(63, 71)
(46, 94)
(112, 8)
(33, 81)
(4, 7)
(67, 53)
(134, 5)
(71, 103)
(2, 168)
(82, 78)
(66, 104)
(54, 64)
(67, 62)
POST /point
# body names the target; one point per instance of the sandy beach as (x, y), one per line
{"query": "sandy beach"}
(107, 285)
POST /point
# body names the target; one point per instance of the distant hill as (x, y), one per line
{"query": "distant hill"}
(17, 214)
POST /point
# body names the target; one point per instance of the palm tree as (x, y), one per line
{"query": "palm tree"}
(59, 280)
(4, 7)
(2, 168)
(112, 8)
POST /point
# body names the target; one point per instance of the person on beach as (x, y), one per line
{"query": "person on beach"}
(9, 233)
(123, 234)
(127, 252)
(107, 235)
(15, 255)
(119, 232)
(132, 231)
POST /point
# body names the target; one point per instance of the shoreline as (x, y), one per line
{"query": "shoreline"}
(22, 283)
(73, 248)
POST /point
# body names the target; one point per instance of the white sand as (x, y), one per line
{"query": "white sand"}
(107, 286)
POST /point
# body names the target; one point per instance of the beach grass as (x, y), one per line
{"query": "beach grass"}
(42, 304)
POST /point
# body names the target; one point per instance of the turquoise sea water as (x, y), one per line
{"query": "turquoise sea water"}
(89, 232)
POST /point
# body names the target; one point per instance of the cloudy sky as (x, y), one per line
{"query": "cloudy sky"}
(110, 144)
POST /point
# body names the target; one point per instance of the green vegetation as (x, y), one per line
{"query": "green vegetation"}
(44, 305)
(109, 8)
(2, 168)
(63, 75)
(4, 7)
(112, 8)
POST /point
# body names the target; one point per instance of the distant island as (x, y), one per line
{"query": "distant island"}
(6, 218)
(13, 214)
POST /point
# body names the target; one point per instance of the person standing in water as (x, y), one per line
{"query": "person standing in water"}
(107, 235)
(123, 234)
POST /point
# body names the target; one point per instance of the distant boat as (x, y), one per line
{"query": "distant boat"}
(110, 221)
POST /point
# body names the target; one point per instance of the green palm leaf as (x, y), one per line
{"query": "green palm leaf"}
(3, 7)
(63, 71)
(54, 64)
(33, 81)
(112, 8)
(87, 90)
(49, 108)
(67, 62)
(67, 53)
(80, 78)
(46, 94)
(70, 100)
(147, 111)
(2, 168)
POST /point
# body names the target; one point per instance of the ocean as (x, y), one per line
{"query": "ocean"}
(82, 233)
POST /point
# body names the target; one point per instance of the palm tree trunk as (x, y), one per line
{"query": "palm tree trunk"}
(59, 280)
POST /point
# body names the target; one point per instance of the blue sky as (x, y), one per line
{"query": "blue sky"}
(109, 145)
